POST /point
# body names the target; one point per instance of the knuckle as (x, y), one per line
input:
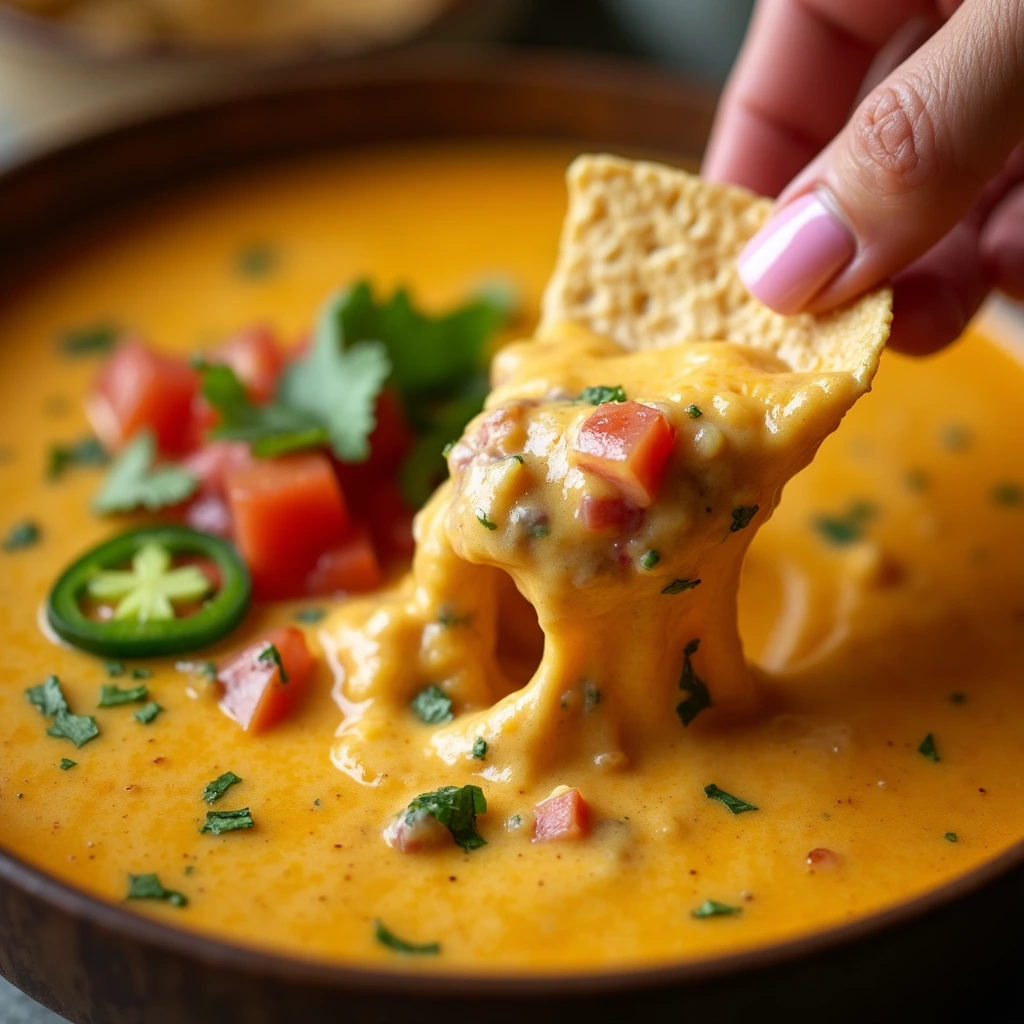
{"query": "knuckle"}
(893, 139)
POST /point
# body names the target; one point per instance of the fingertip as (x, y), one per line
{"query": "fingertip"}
(927, 315)
(1002, 244)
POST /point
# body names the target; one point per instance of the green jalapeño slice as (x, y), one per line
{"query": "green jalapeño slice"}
(155, 597)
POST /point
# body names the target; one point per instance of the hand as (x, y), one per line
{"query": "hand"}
(924, 184)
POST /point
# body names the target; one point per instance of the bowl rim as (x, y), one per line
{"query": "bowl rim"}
(999, 318)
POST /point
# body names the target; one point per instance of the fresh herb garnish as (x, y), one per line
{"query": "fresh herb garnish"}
(148, 887)
(741, 517)
(927, 748)
(114, 668)
(111, 695)
(77, 728)
(951, 837)
(712, 908)
(48, 696)
(86, 452)
(220, 785)
(227, 821)
(21, 536)
(388, 938)
(484, 521)
(450, 620)
(954, 437)
(256, 260)
(66, 763)
(515, 458)
(694, 412)
(432, 706)
(734, 803)
(678, 586)
(538, 530)
(649, 559)
(134, 481)
(591, 696)
(601, 393)
(147, 713)
(272, 656)
(141, 673)
(480, 748)
(698, 698)
(1008, 494)
(96, 339)
(848, 527)
(309, 616)
(456, 808)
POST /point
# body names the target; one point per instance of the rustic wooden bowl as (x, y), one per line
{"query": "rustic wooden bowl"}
(97, 963)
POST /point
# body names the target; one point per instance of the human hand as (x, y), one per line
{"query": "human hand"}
(924, 184)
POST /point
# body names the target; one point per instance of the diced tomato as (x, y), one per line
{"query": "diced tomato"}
(628, 444)
(139, 388)
(211, 464)
(423, 832)
(616, 515)
(256, 358)
(350, 567)
(254, 693)
(564, 815)
(390, 520)
(287, 512)
(391, 437)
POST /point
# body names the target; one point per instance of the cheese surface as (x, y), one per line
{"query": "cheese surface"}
(878, 604)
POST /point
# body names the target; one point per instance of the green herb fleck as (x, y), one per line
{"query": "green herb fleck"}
(309, 616)
(698, 698)
(227, 821)
(1009, 494)
(917, 480)
(141, 673)
(388, 938)
(134, 481)
(957, 698)
(515, 458)
(48, 696)
(538, 530)
(256, 260)
(432, 706)
(86, 452)
(694, 412)
(734, 803)
(649, 559)
(450, 620)
(712, 908)
(148, 887)
(482, 519)
(66, 763)
(220, 785)
(114, 668)
(95, 339)
(601, 393)
(111, 695)
(147, 713)
(591, 696)
(272, 656)
(927, 748)
(678, 586)
(455, 808)
(21, 536)
(848, 527)
(480, 748)
(77, 728)
(954, 437)
(447, 449)
(951, 837)
(741, 517)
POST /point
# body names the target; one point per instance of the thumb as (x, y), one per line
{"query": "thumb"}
(912, 160)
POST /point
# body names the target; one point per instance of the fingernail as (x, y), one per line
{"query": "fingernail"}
(795, 254)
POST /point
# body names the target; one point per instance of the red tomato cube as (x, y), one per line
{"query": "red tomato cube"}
(350, 567)
(563, 815)
(615, 515)
(628, 444)
(257, 360)
(287, 512)
(139, 388)
(254, 693)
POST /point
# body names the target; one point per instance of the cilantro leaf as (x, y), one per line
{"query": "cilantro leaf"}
(309, 616)
(678, 586)
(272, 656)
(693, 411)
(85, 452)
(256, 260)
(23, 535)
(148, 887)
(712, 908)
(111, 695)
(219, 786)
(66, 763)
(928, 749)
(455, 808)
(388, 938)
(134, 481)
(147, 713)
(741, 517)
(602, 393)
(480, 748)
(847, 527)
(432, 706)
(48, 696)
(77, 728)
(951, 837)
(227, 821)
(698, 699)
(95, 339)
(484, 520)
(734, 803)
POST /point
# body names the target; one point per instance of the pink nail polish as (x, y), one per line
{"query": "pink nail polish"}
(795, 254)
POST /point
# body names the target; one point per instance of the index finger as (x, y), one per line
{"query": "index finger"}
(794, 84)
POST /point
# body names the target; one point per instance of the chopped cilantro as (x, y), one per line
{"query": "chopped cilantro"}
(951, 837)
(111, 695)
(94, 339)
(591, 696)
(66, 763)
(601, 393)
(48, 696)
(694, 412)
(220, 785)
(272, 656)
(484, 521)
(148, 887)
(147, 713)
(114, 668)
(712, 908)
(309, 616)
(141, 673)
(77, 728)
(86, 452)
(741, 517)
(538, 530)
(450, 620)
(455, 808)
(432, 706)
(927, 748)
(480, 748)
(954, 437)
(135, 482)
(227, 821)
(256, 260)
(649, 559)
(678, 586)
(697, 697)
(388, 938)
(734, 803)
(847, 527)
(22, 535)
(515, 458)
(447, 449)
(1008, 494)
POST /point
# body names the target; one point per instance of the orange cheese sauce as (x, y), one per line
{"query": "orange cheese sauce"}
(862, 645)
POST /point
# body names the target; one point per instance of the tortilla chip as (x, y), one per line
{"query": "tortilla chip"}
(648, 258)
